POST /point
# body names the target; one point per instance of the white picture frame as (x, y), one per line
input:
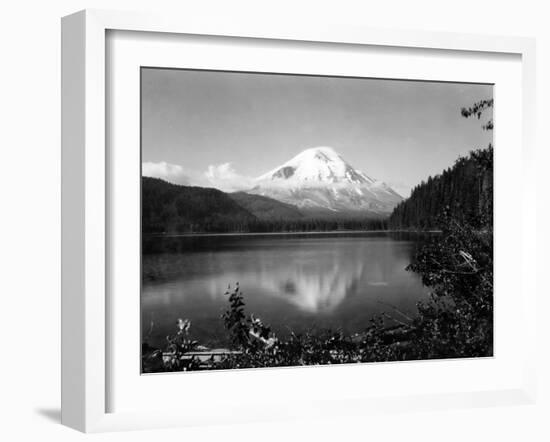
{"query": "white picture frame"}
(85, 206)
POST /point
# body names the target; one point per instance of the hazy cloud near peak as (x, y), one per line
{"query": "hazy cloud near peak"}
(225, 177)
(172, 173)
(220, 176)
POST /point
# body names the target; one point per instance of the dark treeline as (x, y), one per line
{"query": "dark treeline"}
(463, 191)
(315, 225)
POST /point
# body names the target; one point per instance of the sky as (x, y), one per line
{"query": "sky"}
(221, 129)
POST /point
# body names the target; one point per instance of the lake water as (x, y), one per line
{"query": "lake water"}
(292, 282)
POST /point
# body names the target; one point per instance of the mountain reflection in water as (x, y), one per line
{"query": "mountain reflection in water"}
(291, 282)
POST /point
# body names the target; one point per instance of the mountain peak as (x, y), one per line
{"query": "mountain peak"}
(322, 151)
(316, 165)
(319, 177)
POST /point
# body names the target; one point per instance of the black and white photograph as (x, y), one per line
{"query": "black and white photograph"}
(291, 220)
(300, 220)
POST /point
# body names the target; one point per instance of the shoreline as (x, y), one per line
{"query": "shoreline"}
(314, 232)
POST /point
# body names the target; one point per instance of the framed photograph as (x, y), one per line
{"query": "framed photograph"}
(257, 210)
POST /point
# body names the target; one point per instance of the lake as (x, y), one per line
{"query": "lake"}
(293, 282)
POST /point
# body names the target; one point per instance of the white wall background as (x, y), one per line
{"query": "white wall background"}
(30, 216)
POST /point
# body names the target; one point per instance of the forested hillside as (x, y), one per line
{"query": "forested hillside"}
(169, 208)
(463, 191)
(265, 208)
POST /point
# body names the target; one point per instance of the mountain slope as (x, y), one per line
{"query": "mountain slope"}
(265, 208)
(319, 179)
(170, 208)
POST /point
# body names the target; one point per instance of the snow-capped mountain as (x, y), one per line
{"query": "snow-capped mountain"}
(320, 179)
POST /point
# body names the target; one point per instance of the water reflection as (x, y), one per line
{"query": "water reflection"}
(315, 290)
(291, 282)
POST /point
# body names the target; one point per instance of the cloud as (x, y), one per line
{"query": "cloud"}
(221, 176)
(225, 177)
(172, 173)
